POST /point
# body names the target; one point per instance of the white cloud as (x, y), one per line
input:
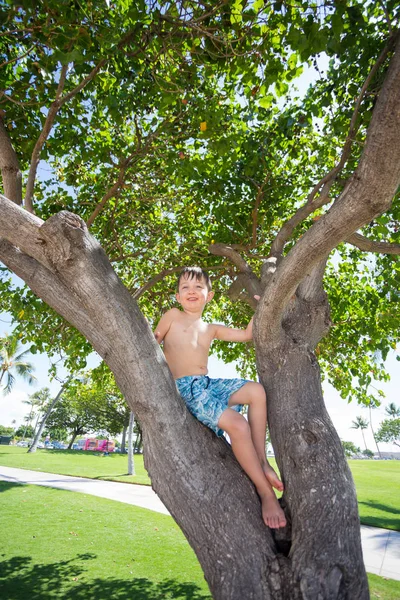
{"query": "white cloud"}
(12, 407)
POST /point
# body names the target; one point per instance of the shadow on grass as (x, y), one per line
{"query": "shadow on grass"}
(19, 579)
(381, 520)
(7, 485)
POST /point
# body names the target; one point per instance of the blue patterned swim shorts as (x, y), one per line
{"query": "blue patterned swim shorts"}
(208, 398)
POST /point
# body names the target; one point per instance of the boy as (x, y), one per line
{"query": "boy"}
(217, 402)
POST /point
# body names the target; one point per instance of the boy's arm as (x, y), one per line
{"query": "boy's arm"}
(231, 334)
(164, 324)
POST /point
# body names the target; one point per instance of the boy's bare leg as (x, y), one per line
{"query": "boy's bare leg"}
(243, 448)
(253, 394)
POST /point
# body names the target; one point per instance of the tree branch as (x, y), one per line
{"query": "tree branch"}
(140, 151)
(385, 10)
(84, 81)
(7, 62)
(234, 257)
(110, 193)
(21, 229)
(254, 214)
(326, 182)
(51, 115)
(250, 281)
(45, 285)
(368, 193)
(9, 166)
(302, 213)
(367, 245)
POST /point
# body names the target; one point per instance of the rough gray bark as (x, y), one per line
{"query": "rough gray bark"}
(9, 166)
(325, 554)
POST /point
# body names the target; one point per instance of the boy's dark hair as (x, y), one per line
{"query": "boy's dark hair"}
(195, 273)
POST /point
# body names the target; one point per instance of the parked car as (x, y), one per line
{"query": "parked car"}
(60, 445)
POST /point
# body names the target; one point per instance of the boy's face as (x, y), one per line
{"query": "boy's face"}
(193, 293)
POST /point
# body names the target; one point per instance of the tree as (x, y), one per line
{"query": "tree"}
(23, 431)
(131, 464)
(362, 424)
(50, 405)
(139, 437)
(86, 406)
(372, 405)
(389, 431)
(368, 453)
(350, 449)
(74, 414)
(12, 361)
(392, 410)
(7, 431)
(29, 418)
(40, 399)
(165, 131)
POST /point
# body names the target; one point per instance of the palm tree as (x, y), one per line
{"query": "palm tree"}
(131, 464)
(362, 424)
(12, 360)
(372, 405)
(393, 411)
(35, 401)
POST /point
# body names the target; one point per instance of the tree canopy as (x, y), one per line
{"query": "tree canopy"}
(174, 127)
(389, 431)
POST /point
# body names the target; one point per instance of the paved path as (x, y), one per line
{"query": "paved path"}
(381, 547)
(139, 495)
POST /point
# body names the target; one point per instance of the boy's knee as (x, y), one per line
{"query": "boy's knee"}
(237, 425)
(258, 393)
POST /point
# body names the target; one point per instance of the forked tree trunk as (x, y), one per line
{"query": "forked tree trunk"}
(195, 474)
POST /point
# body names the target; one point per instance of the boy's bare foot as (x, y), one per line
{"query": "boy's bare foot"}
(272, 514)
(272, 476)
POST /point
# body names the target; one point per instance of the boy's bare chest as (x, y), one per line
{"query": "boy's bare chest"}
(189, 335)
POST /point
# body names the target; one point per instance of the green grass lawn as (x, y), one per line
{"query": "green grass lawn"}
(62, 544)
(79, 547)
(77, 463)
(377, 482)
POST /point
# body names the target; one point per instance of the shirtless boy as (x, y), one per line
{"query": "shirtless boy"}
(217, 402)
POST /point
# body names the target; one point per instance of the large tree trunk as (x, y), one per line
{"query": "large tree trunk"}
(325, 551)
